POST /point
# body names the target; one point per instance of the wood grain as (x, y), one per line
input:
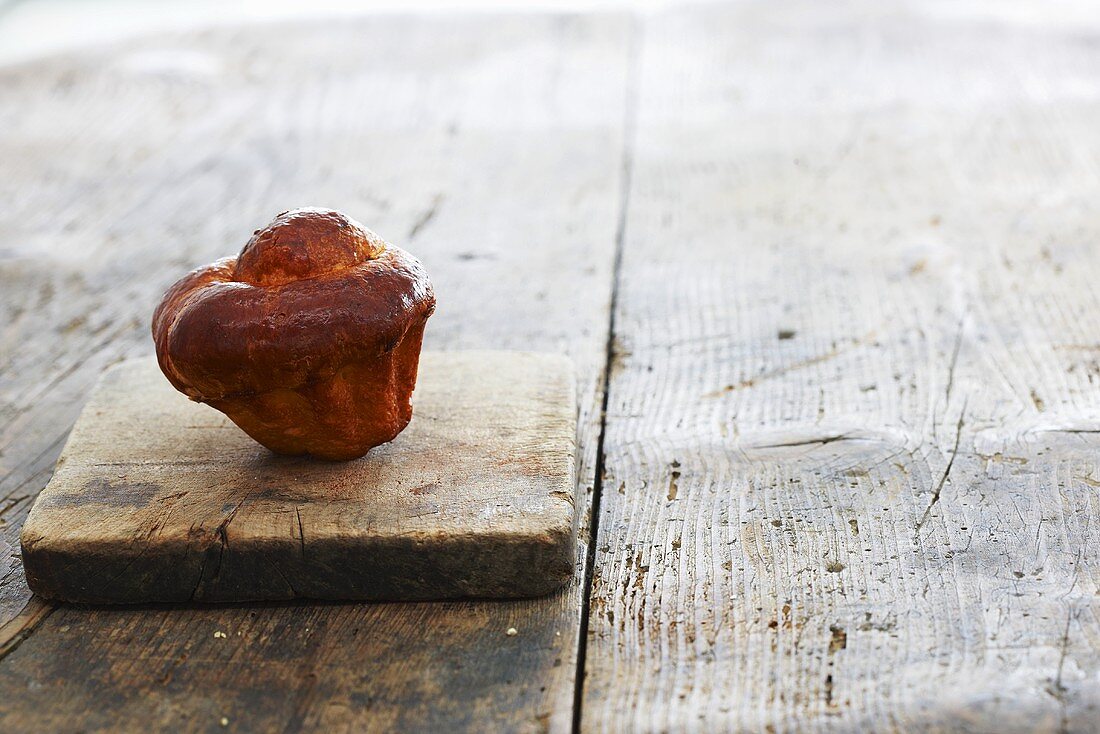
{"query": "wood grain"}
(488, 146)
(851, 458)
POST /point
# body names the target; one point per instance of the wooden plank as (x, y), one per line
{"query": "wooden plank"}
(160, 499)
(851, 456)
(488, 146)
(38, 27)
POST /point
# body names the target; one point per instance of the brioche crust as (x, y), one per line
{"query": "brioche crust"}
(309, 339)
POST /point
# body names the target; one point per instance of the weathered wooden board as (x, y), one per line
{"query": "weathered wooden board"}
(850, 466)
(851, 450)
(489, 146)
(159, 499)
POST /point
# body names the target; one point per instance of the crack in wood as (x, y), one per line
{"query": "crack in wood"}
(22, 626)
(426, 217)
(812, 441)
(955, 356)
(221, 536)
(1057, 689)
(946, 472)
(835, 351)
(301, 531)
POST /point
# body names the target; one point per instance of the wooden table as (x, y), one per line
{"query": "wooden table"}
(829, 275)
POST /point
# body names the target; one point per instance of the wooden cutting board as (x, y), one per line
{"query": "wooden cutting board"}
(159, 499)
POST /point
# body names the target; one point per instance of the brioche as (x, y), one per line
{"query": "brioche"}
(309, 339)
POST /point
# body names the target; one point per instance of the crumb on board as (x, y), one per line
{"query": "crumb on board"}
(512, 632)
(219, 633)
(224, 721)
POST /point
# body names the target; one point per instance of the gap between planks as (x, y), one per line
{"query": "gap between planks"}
(630, 121)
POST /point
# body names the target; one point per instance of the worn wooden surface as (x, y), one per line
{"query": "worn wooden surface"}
(850, 461)
(851, 454)
(160, 499)
(488, 146)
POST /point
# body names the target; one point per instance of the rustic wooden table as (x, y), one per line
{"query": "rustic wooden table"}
(829, 276)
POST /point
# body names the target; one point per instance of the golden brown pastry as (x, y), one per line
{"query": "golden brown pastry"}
(308, 340)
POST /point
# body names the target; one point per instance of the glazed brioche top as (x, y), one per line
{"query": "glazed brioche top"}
(305, 243)
(310, 293)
